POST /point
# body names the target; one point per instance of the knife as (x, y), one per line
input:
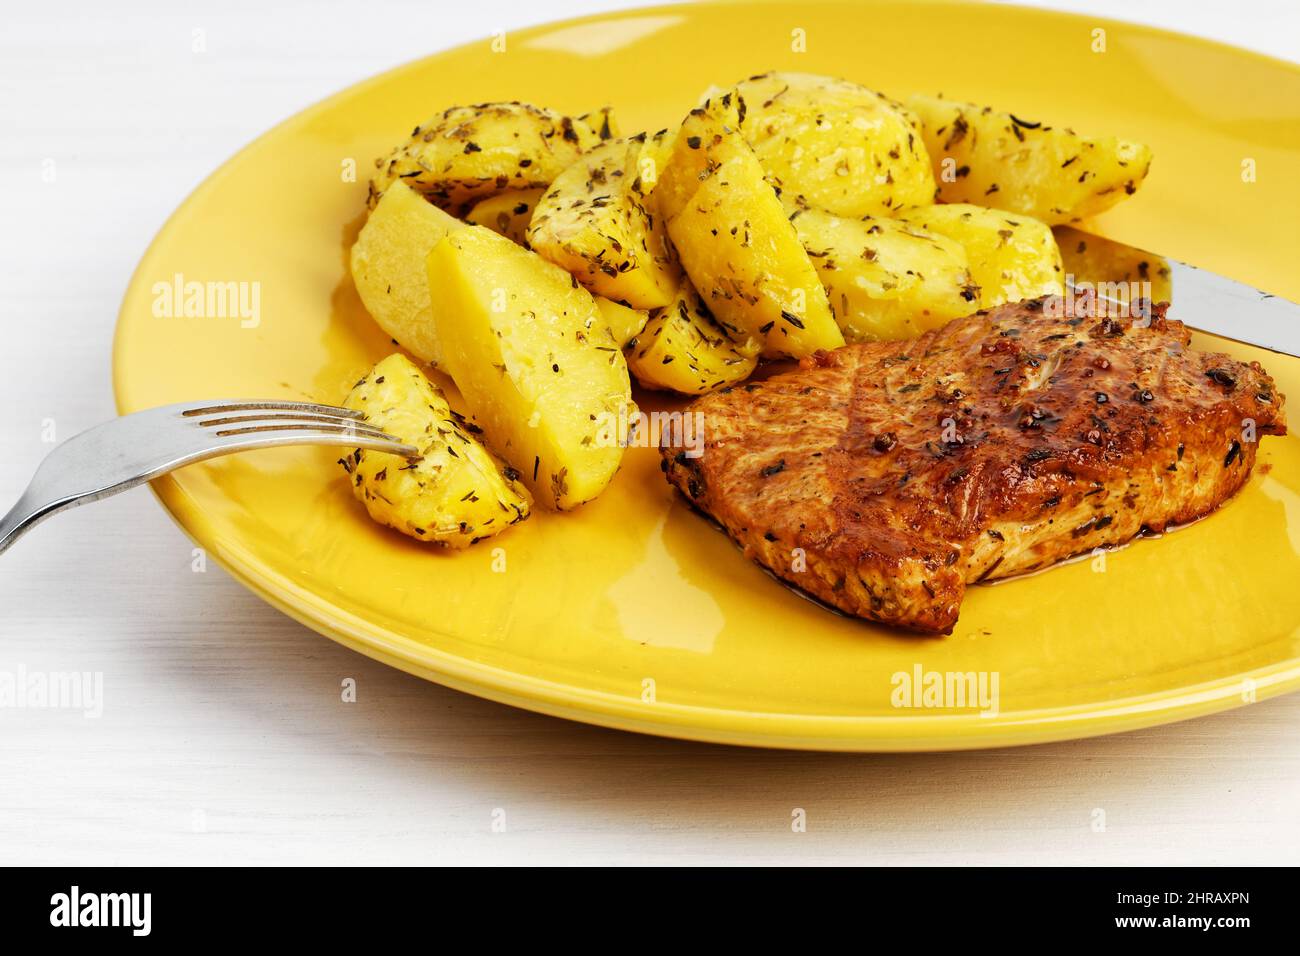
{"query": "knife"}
(1208, 302)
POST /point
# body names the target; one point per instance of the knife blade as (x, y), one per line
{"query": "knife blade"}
(1214, 304)
(1209, 302)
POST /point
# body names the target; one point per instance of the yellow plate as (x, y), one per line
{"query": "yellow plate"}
(633, 612)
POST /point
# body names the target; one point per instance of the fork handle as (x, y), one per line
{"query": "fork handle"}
(31, 509)
(27, 514)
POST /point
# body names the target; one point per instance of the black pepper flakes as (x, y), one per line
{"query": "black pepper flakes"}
(1222, 377)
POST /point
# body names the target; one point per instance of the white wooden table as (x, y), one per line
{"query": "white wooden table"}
(223, 738)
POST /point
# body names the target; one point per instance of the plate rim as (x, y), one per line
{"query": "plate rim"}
(731, 726)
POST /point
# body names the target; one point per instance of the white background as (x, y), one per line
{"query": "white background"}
(223, 738)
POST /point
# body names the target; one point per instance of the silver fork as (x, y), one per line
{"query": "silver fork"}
(133, 449)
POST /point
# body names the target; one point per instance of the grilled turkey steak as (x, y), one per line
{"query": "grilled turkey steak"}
(884, 478)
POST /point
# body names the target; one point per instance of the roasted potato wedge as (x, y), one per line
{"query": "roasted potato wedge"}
(455, 492)
(886, 278)
(388, 267)
(1114, 270)
(707, 138)
(996, 159)
(468, 152)
(532, 355)
(624, 321)
(593, 221)
(1011, 257)
(835, 145)
(655, 151)
(507, 213)
(735, 242)
(683, 349)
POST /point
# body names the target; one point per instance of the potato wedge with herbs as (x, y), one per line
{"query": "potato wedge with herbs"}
(1113, 269)
(707, 138)
(624, 321)
(682, 349)
(886, 278)
(535, 361)
(388, 267)
(649, 161)
(996, 159)
(593, 221)
(1011, 257)
(507, 214)
(735, 243)
(835, 145)
(454, 492)
(468, 152)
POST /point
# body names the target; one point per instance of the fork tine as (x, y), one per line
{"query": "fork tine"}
(222, 425)
(270, 422)
(280, 417)
(269, 436)
(359, 430)
(345, 430)
(225, 407)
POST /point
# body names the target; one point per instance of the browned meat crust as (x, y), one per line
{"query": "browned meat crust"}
(884, 478)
